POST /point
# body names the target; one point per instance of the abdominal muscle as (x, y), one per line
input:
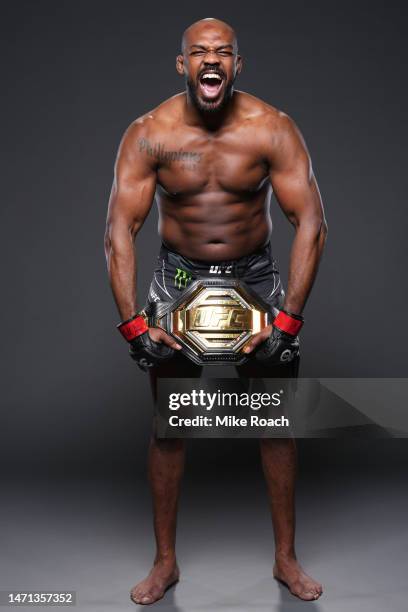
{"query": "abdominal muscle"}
(214, 229)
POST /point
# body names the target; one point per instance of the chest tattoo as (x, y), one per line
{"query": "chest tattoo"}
(162, 154)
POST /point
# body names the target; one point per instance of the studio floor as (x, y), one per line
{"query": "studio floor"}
(95, 537)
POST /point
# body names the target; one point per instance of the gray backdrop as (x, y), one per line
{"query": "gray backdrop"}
(76, 412)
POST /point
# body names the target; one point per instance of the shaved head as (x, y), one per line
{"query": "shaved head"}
(210, 62)
(204, 26)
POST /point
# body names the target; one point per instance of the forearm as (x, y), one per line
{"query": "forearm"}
(306, 252)
(121, 263)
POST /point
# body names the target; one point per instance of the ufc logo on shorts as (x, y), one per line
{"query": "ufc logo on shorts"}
(220, 269)
(154, 296)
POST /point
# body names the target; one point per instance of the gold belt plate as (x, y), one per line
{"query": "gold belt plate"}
(214, 319)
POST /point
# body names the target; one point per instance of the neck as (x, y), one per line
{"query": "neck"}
(209, 120)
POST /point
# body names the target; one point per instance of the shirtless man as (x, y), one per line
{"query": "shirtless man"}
(212, 155)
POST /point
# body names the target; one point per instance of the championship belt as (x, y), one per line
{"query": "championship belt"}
(212, 320)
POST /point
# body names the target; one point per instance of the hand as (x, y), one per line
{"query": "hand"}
(152, 347)
(275, 347)
(160, 336)
(257, 339)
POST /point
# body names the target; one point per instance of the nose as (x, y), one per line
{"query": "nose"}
(211, 58)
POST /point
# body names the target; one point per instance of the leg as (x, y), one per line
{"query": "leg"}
(166, 463)
(279, 466)
(165, 466)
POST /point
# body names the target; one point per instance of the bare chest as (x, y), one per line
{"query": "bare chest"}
(191, 164)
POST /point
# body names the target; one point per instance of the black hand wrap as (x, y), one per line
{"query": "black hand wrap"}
(145, 351)
(148, 353)
(282, 346)
(278, 349)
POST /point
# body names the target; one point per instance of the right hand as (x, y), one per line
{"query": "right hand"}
(278, 349)
(152, 347)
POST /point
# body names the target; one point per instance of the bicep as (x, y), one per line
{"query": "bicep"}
(292, 177)
(133, 187)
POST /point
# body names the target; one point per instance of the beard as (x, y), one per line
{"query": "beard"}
(209, 106)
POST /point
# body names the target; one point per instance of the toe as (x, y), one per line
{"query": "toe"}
(306, 592)
(312, 587)
(317, 589)
(134, 596)
(140, 597)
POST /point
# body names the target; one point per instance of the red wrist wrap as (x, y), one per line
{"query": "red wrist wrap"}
(133, 328)
(288, 324)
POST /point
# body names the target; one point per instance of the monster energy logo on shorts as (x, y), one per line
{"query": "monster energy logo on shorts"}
(181, 278)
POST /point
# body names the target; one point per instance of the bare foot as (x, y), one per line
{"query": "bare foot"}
(162, 576)
(288, 571)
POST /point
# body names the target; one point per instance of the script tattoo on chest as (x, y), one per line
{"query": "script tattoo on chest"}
(159, 152)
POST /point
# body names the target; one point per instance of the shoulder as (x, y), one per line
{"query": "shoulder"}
(156, 121)
(277, 134)
(275, 124)
(137, 146)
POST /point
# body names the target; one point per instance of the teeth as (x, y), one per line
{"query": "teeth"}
(211, 75)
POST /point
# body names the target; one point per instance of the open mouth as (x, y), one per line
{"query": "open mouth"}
(210, 84)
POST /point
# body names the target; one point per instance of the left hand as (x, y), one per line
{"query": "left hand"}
(277, 348)
(257, 339)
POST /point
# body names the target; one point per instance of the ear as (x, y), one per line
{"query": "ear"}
(239, 64)
(180, 64)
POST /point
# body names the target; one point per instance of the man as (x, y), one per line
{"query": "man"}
(211, 156)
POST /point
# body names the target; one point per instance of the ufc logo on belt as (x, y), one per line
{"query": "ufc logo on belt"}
(220, 318)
